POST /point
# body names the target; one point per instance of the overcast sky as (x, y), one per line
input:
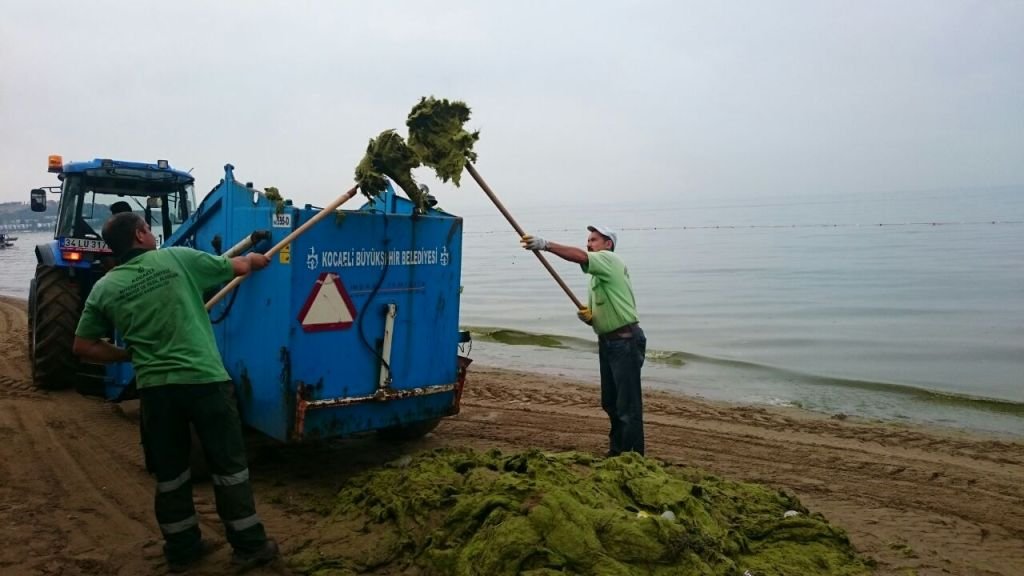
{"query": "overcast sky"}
(576, 101)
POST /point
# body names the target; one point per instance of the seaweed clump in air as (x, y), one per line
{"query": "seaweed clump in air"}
(438, 137)
(388, 156)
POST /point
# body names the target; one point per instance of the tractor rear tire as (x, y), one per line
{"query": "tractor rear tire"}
(408, 432)
(31, 317)
(53, 316)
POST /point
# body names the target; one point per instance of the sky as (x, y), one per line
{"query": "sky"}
(578, 103)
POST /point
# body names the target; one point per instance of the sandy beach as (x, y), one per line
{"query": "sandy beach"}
(75, 499)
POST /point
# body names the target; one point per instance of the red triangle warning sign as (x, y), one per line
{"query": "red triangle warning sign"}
(328, 306)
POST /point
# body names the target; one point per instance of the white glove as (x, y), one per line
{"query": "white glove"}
(534, 242)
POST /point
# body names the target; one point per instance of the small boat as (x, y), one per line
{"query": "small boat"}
(7, 241)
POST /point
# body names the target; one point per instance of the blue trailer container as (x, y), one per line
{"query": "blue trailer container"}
(353, 328)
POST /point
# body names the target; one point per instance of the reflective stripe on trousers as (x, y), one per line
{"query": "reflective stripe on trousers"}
(244, 523)
(231, 479)
(172, 485)
(180, 526)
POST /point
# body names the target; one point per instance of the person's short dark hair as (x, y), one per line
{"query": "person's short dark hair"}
(119, 231)
(120, 206)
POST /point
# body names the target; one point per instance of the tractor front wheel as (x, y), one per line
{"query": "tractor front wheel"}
(54, 308)
(31, 318)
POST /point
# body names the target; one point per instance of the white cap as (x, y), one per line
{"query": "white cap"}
(607, 233)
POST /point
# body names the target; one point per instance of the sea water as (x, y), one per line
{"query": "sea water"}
(894, 306)
(900, 306)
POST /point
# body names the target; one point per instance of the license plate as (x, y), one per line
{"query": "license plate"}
(83, 244)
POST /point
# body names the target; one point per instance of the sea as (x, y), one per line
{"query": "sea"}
(896, 306)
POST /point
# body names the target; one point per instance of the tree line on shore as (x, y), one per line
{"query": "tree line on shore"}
(19, 216)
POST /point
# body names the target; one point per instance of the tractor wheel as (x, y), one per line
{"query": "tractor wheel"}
(408, 432)
(31, 316)
(53, 316)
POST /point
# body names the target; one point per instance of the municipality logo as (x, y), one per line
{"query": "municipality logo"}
(312, 260)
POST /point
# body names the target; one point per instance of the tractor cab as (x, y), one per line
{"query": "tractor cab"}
(68, 266)
(92, 192)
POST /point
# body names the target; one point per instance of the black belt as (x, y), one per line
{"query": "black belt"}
(620, 333)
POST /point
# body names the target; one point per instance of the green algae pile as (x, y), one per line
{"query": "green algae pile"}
(437, 139)
(517, 338)
(437, 136)
(467, 513)
(388, 156)
(274, 195)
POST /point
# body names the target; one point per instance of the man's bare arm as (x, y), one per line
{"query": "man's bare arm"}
(243, 265)
(99, 351)
(570, 253)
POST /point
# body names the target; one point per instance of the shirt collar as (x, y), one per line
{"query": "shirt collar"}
(131, 254)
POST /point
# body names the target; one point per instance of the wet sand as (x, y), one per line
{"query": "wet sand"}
(75, 499)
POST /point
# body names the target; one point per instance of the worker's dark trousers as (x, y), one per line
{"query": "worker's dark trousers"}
(211, 408)
(621, 361)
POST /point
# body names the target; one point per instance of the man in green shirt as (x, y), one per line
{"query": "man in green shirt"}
(154, 299)
(611, 311)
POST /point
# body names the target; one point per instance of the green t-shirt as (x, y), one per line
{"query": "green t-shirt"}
(155, 301)
(611, 292)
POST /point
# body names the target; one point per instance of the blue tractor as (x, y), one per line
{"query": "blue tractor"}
(68, 266)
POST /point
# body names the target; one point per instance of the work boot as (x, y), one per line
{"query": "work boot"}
(257, 557)
(202, 549)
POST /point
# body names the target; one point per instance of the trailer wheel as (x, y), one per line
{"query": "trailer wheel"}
(53, 316)
(408, 432)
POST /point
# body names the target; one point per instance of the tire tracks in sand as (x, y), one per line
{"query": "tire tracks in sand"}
(75, 500)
